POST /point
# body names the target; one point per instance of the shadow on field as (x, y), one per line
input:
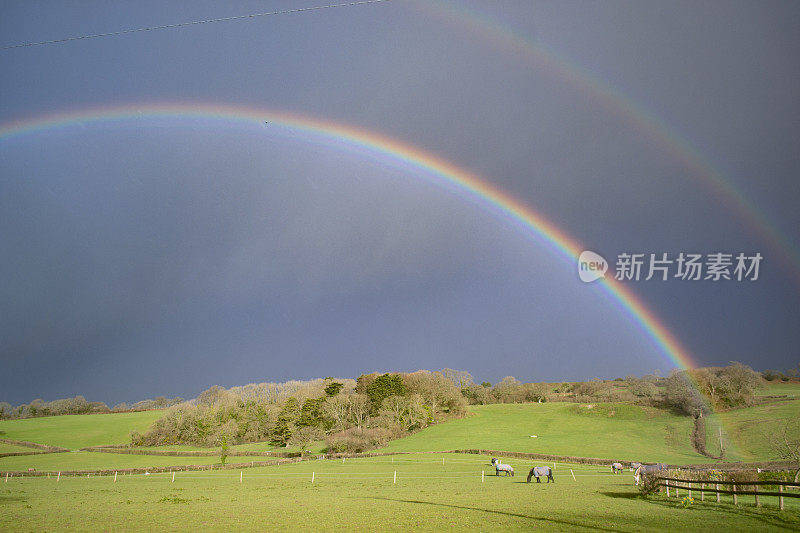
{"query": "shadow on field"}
(493, 511)
(10, 499)
(624, 495)
(767, 515)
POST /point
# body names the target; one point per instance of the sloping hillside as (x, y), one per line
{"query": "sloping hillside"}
(607, 430)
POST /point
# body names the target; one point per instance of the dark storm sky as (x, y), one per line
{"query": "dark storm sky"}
(163, 255)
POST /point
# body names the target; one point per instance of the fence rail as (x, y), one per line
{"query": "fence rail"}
(737, 483)
(703, 486)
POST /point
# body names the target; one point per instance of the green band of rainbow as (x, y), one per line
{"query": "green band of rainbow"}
(392, 151)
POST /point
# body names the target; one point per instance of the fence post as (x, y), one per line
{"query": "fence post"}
(735, 502)
(702, 494)
(717, 487)
(666, 482)
(780, 498)
(690, 489)
(115, 477)
(573, 475)
(394, 479)
(481, 476)
(758, 503)
(312, 477)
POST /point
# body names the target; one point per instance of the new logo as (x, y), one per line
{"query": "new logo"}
(591, 266)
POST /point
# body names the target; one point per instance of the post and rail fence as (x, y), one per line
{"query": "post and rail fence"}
(738, 488)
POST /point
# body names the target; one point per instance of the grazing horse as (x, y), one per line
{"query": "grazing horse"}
(634, 466)
(500, 467)
(648, 469)
(616, 467)
(541, 471)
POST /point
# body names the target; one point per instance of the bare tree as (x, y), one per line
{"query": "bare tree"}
(786, 444)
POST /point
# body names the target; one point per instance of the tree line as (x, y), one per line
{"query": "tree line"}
(350, 415)
(78, 406)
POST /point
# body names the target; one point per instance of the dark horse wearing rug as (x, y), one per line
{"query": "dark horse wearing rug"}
(541, 471)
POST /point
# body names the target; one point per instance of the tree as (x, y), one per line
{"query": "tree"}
(460, 378)
(683, 396)
(359, 409)
(508, 390)
(408, 412)
(384, 386)
(535, 392)
(311, 412)
(641, 388)
(786, 444)
(223, 453)
(335, 412)
(478, 395)
(304, 437)
(286, 423)
(364, 381)
(333, 388)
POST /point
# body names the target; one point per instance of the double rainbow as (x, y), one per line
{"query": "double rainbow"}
(394, 152)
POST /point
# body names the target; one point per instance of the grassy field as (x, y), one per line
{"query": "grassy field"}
(748, 431)
(780, 389)
(360, 494)
(619, 431)
(432, 491)
(54, 462)
(77, 431)
(9, 448)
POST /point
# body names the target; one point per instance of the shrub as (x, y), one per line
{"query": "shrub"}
(356, 440)
(648, 484)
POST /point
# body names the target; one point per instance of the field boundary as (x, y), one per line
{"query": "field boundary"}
(149, 470)
(703, 486)
(43, 448)
(186, 453)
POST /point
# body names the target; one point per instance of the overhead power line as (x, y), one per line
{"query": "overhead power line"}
(195, 23)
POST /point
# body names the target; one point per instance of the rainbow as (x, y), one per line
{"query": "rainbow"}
(636, 116)
(390, 151)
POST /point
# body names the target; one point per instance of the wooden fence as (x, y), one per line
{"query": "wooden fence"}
(738, 488)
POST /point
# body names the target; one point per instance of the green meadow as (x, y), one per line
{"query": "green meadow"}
(420, 491)
(78, 431)
(14, 448)
(428, 492)
(55, 462)
(610, 430)
(748, 431)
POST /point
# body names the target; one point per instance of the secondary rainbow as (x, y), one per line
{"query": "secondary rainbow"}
(636, 116)
(391, 151)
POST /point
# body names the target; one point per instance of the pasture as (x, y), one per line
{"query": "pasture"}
(430, 491)
(78, 431)
(608, 430)
(363, 494)
(748, 431)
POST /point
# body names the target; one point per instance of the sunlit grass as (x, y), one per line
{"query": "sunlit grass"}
(364, 494)
(78, 431)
